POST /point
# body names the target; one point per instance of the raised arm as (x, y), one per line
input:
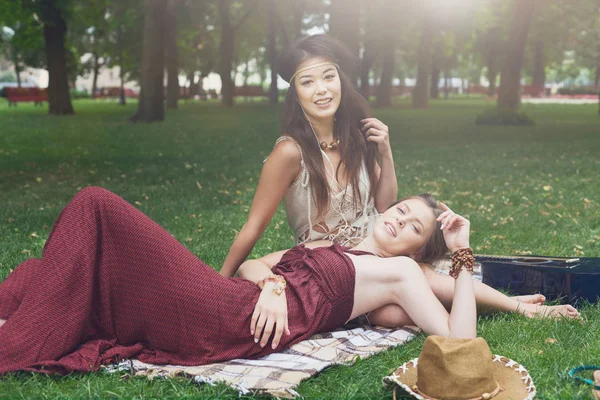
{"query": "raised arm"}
(279, 171)
(387, 286)
(386, 190)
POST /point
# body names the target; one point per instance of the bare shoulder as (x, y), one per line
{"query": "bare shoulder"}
(283, 165)
(288, 151)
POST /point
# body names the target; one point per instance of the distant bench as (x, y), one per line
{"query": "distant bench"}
(15, 95)
(114, 91)
(249, 91)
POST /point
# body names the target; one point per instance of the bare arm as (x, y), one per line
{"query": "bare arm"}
(387, 184)
(411, 294)
(386, 189)
(280, 169)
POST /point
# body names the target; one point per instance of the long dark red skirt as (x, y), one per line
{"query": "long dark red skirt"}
(112, 284)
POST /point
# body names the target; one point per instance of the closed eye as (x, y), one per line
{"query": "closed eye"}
(416, 229)
(401, 210)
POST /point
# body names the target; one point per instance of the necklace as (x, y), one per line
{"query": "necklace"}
(330, 146)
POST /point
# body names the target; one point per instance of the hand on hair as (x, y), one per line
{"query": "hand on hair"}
(377, 132)
(456, 228)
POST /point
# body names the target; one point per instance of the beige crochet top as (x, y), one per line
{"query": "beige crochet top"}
(342, 222)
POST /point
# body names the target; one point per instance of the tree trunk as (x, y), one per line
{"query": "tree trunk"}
(18, 73)
(384, 90)
(510, 76)
(492, 52)
(434, 91)
(446, 84)
(344, 18)
(122, 100)
(420, 96)
(272, 50)
(226, 53)
(55, 28)
(299, 9)
(597, 77)
(119, 17)
(365, 67)
(95, 78)
(492, 73)
(172, 56)
(539, 73)
(151, 100)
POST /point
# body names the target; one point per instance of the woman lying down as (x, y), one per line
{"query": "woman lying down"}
(112, 284)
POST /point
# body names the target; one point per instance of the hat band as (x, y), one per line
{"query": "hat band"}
(484, 396)
(322, 64)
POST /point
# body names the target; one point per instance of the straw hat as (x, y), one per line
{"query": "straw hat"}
(462, 369)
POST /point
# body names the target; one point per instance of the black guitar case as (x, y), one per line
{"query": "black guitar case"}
(569, 279)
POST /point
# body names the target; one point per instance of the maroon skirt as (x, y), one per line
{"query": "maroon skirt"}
(112, 284)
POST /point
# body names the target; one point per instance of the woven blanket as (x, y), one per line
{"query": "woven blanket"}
(279, 373)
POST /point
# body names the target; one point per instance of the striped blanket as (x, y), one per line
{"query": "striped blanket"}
(279, 373)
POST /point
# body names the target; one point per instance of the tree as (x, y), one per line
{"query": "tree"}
(420, 95)
(150, 105)
(510, 76)
(298, 13)
(272, 50)
(491, 35)
(172, 53)
(343, 24)
(89, 28)
(55, 29)
(126, 27)
(226, 45)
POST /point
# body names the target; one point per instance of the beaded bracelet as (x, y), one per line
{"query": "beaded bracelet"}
(462, 258)
(280, 283)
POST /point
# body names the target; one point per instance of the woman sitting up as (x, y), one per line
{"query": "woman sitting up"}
(112, 284)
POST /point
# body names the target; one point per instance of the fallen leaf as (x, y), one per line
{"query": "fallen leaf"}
(551, 340)
(547, 188)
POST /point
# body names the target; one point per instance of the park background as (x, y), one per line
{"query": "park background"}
(492, 106)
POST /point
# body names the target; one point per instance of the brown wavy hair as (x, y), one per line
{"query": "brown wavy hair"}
(435, 248)
(353, 146)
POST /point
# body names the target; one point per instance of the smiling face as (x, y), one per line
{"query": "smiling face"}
(403, 229)
(319, 89)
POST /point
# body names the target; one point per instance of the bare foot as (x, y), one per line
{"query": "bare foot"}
(596, 393)
(538, 299)
(535, 311)
(2, 322)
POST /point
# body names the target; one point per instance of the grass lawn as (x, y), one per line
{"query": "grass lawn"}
(526, 190)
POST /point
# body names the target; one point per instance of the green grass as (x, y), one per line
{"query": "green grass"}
(526, 190)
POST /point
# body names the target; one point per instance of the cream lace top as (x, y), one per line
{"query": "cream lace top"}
(342, 222)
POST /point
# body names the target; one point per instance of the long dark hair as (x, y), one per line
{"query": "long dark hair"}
(353, 146)
(435, 248)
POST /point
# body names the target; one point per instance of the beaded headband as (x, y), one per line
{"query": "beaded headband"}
(322, 64)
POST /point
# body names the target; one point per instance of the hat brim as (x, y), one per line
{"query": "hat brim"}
(513, 378)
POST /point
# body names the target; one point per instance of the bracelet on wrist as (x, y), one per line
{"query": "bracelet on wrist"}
(462, 259)
(279, 283)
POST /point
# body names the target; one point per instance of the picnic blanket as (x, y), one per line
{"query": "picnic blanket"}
(278, 374)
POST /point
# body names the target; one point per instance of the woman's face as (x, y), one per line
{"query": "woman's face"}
(319, 89)
(403, 229)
